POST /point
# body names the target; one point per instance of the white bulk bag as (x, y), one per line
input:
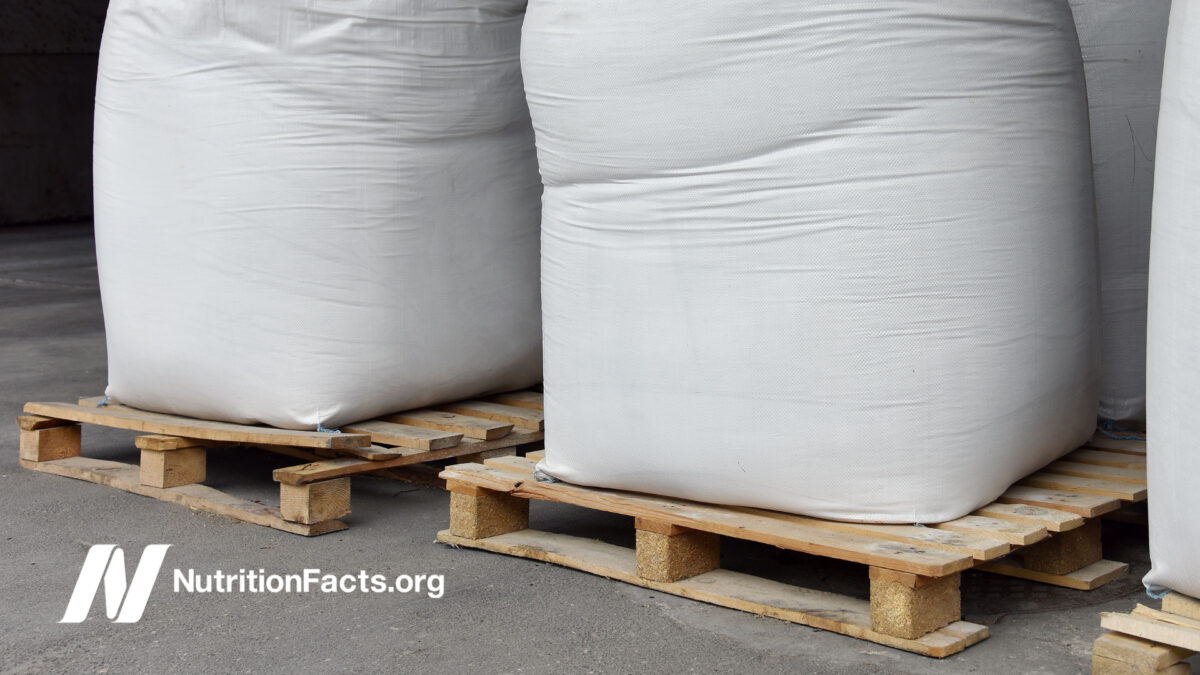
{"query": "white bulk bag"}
(834, 258)
(1173, 364)
(312, 212)
(1123, 44)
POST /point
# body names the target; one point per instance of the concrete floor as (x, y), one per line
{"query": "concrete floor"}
(498, 614)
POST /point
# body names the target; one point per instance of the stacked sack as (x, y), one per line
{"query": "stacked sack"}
(310, 213)
(1173, 366)
(1123, 42)
(830, 258)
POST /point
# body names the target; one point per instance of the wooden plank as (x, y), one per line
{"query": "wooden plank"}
(536, 455)
(1102, 665)
(1089, 578)
(347, 466)
(521, 418)
(1106, 458)
(1128, 446)
(520, 399)
(126, 477)
(1053, 520)
(1152, 629)
(793, 536)
(405, 435)
(819, 609)
(1086, 486)
(979, 547)
(471, 427)
(372, 453)
(160, 443)
(171, 425)
(1014, 532)
(37, 422)
(1088, 506)
(1167, 617)
(1143, 655)
(1110, 473)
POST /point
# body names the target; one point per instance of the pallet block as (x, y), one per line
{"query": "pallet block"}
(667, 552)
(42, 441)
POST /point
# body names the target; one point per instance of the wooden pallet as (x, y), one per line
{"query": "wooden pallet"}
(1112, 475)
(1149, 640)
(313, 496)
(1051, 518)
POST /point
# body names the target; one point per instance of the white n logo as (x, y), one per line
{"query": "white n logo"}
(107, 562)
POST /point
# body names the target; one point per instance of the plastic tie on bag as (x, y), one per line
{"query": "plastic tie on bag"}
(1156, 593)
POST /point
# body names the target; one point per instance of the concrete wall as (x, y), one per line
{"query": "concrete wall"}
(48, 52)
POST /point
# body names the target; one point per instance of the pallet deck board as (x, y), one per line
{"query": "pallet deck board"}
(707, 518)
(1088, 578)
(1111, 473)
(1088, 506)
(521, 399)
(348, 466)
(828, 611)
(472, 427)
(405, 435)
(173, 425)
(1107, 458)
(1088, 486)
(125, 477)
(521, 418)
(1016, 533)
(1053, 520)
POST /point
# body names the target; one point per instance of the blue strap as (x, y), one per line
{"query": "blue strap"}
(327, 431)
(103, 402)
(1157, 596)
(1108, 428)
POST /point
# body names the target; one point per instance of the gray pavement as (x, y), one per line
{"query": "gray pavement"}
(498, 614)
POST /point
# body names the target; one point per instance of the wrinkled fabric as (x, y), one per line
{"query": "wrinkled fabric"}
(1173, 365)
(833, 258)
(313, 212)
(1123, 42)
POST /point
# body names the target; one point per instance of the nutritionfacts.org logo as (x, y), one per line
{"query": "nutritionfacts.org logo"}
(125, 598)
